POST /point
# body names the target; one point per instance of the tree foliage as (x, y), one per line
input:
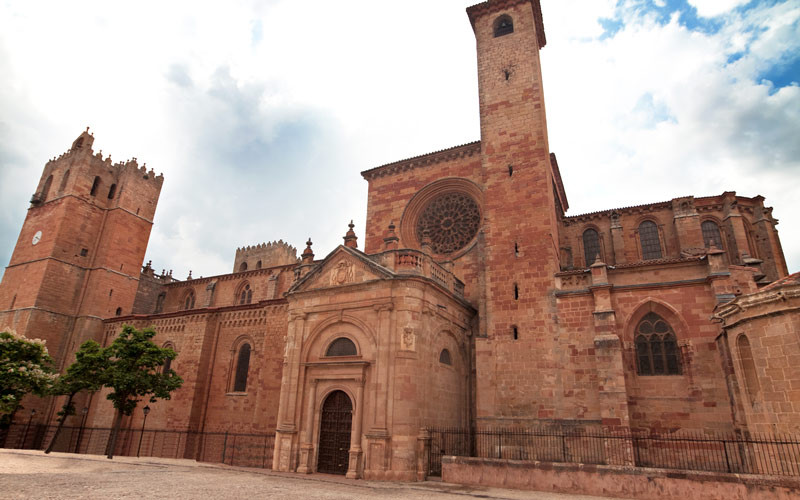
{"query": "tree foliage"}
(135, 373)
(86, 373)
(25, 367)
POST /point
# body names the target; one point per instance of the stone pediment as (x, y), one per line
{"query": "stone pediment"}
(343, 266)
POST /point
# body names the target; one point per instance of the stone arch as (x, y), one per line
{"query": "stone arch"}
(345, 326)
(663, 309)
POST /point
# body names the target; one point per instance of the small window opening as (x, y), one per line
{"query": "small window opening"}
(243, 267)
(64, 181)
(111, 292)
(84, 252)
(160, 302)
(503, 25)
(95, 185)
(444, 358)
(507, 73)
(46, 188)
(167, 364)
(242, 366)
(112, 191)
(510, 167)
(516, 291)
(258, 265)
(341, 347)
(118, 312)
(13, 301)
(515, 332)
(516, 249)
(137, 211)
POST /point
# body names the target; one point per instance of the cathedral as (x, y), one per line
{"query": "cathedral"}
(472, 299)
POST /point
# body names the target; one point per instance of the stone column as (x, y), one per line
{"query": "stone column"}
(286, 431)
(306, 446)
(617, 240)
(355, 435)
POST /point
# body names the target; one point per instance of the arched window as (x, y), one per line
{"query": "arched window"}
(167, 366)
(591, 246)
(242, 366)
(711, 234)
(118, 312)
(112, 191)
(160, 302)
(444, 358)
(188, 302)
(64, 181)
(245, 296)
(749, 368)
(258, 265)
(656, 347)
(341, 347)
(503, 25)
(648, 237)
(243, 267)
(95, 186)
(46, 188)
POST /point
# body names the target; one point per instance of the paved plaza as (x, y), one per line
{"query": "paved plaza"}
(32, 474)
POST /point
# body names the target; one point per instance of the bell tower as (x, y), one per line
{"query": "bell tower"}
(523, 200)
(80, 250)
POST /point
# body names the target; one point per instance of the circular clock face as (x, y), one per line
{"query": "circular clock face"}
(36, 237)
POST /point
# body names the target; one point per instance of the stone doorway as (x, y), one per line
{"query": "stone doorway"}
(334, 435)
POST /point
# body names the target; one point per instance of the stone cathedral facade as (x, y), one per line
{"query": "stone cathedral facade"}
(472, 300)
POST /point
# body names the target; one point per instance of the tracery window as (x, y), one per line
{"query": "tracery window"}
(711, 234)
(648, 237)
(503, 25)
(444, 358)
(450, 220)
(591, 246)
(656, 347)
(242, 367)
(341, 347)
(188, 302)
(246, 295)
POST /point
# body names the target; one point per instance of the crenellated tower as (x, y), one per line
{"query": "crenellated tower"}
(80, 250)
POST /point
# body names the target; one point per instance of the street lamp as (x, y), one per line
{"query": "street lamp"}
(145, 411)
(25, 438)
(84, 412)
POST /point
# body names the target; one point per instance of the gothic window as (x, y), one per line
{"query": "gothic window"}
(748, 367)
(188, 302)
(656, 347)
(64, 181)
(118, 312)
(112, 191)
(341, 347)
(591, 246)
(242, 366)
(160, 302)
(444, 358)
(46, 188)
(503, 25)
(450, 220)
(648, 237)
(711, 234)
(245, 295)
(95, 185)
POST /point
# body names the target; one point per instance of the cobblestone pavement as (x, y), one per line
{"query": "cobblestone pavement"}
(32, 474)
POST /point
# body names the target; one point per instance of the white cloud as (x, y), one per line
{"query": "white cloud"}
(712, 8)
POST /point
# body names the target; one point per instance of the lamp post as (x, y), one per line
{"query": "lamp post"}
(25, 437)
(84, 412)
(145, 411)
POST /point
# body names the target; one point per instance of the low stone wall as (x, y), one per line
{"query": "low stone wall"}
(618, 481)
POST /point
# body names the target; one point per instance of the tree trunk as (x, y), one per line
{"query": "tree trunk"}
(112, 440)
(60, 423)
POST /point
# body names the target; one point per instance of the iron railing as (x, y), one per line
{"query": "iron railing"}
(752, 453)
(232, 448)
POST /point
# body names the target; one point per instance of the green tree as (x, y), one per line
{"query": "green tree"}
(86, 373)
(25, 367)
(136, 372)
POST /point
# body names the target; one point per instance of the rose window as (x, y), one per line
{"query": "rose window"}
(450, 221)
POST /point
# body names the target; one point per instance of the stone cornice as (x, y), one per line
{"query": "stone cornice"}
(449, 154)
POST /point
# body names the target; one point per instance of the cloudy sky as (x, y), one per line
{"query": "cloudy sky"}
(261, 114)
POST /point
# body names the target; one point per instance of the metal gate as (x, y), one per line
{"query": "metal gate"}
(334, 435)
(447, 441)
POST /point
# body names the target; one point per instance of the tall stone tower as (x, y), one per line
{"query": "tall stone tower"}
(80, 250)
(522, 202)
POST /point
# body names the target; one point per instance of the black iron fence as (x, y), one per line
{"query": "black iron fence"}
(246, 450)
(751, 454)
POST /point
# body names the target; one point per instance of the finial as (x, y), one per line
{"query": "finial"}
(350, 238)
(391, 240)
(308, 254)
(425, 244)
(87, 129)
(190, 275)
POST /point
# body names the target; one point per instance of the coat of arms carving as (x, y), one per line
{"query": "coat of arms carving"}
(342, 273)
